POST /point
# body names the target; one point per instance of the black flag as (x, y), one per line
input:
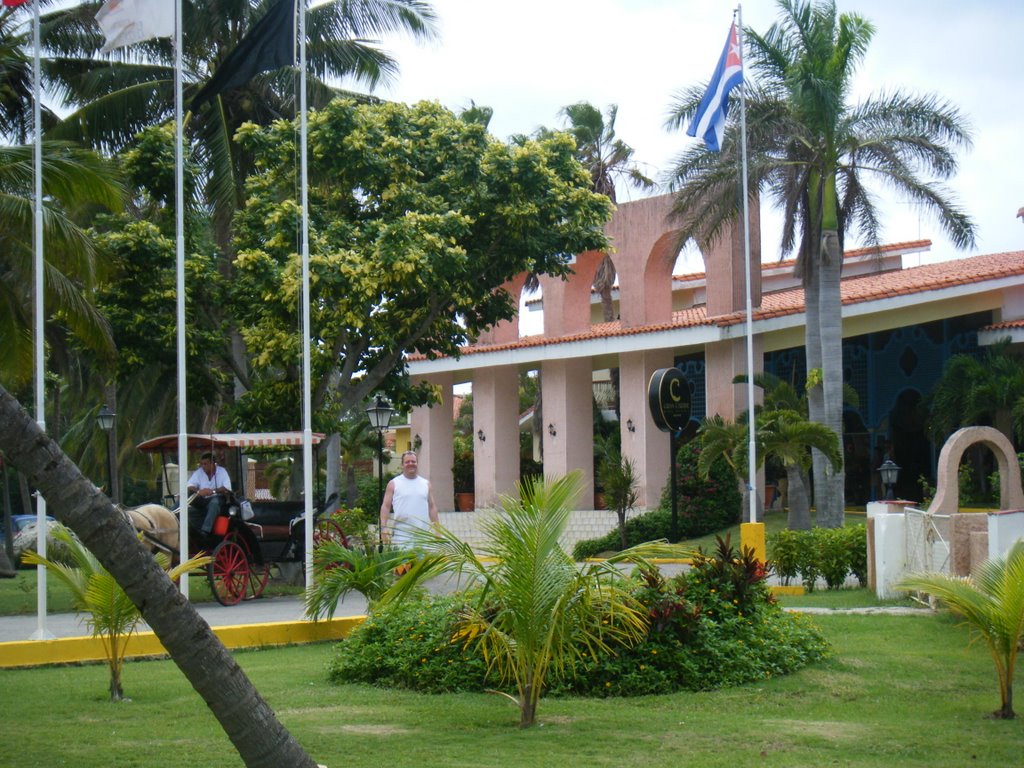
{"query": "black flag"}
(269, 45)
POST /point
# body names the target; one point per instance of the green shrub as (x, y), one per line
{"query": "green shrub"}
(704, 506)
(857, 551)
(712, 627)
(649, 526)
(831, 554)
(410, 645)
(784, 549)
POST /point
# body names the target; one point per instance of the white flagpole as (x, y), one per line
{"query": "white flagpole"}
(179, 229)
(307, 418)
(751, 420)
(41, 632)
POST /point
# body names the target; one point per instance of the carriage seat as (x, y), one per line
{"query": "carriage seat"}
(273, 519)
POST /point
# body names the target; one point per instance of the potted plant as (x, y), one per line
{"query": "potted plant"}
(462, 475)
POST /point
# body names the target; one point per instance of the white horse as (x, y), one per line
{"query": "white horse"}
(157, 524)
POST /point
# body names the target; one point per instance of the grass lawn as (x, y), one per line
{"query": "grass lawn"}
(899, 691)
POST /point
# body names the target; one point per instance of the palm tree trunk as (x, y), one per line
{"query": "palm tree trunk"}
(1006, 711)
(799, 518)
(527, 706)
(830, 323)
(261, 740)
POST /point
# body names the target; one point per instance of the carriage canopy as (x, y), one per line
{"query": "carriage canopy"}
(210, 441)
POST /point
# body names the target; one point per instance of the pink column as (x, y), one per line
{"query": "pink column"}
(646, 445)
(722, 362)
(495, 433)
(433, 425)
(567, 302)
(645, 246)
(568, 410)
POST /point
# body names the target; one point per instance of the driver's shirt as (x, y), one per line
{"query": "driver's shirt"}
(200, 479)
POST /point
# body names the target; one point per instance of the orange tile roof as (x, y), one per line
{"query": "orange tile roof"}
(854, 290)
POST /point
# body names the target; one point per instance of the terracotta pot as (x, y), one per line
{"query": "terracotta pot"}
(465, 502)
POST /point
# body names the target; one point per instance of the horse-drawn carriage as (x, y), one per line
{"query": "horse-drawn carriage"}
(252, 533)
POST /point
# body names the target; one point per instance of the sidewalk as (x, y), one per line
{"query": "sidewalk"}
(259, 611)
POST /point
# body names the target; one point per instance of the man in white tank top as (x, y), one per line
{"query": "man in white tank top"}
(410, 502)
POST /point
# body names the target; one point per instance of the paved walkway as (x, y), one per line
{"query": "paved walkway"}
(260, 611)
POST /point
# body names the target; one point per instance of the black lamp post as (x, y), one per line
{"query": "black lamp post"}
(105, 421)
(380, 418)
(889, 472)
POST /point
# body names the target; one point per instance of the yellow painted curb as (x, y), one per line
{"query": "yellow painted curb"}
(72, 650)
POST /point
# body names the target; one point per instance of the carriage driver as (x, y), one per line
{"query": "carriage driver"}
(212, 484)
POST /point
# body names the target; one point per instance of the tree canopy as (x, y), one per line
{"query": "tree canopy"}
(417, 219)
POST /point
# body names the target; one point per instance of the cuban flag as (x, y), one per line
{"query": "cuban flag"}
(709, 121)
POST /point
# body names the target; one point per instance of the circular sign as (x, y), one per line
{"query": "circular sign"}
(669, 397)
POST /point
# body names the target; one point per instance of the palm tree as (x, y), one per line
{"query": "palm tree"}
(117, 94)
(112, 615)
(74, 181)
(259, 736)
(789, 436)
(538, 610)
(973, 390)
(785, 434)
(815, 154)
(991, 603)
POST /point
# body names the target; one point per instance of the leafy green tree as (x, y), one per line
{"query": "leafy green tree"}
(816, 153)
(991, 603)
(111, 614)
(538, 610)
(417, 218)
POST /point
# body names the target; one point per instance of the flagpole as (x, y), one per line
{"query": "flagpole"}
(179, 246)
(751, 420)
(41, 633)
(307, 419)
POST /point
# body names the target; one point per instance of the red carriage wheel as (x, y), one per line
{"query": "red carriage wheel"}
(329, 530)
(228, 574)
(259, 574)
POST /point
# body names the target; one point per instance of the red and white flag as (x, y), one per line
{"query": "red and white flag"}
(124, 22)
(14, 3)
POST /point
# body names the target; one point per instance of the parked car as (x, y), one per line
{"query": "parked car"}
(24, 528)
(18, 524)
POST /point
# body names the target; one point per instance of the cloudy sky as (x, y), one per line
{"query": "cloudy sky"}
(528, 59)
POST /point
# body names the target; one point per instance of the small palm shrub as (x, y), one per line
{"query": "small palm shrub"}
(991, 604)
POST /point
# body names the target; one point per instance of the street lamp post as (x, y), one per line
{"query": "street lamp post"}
(889, 472)
(380, 418)
(105, 421)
